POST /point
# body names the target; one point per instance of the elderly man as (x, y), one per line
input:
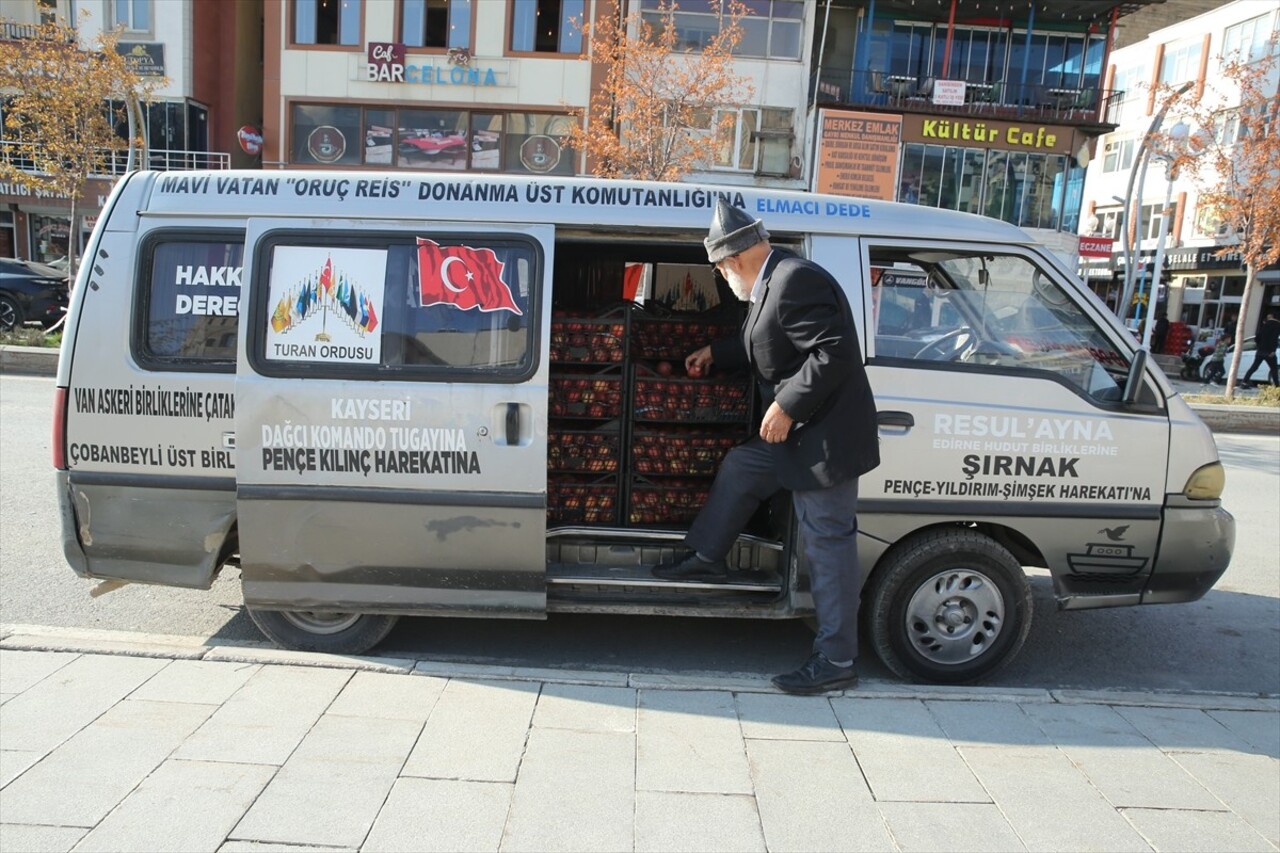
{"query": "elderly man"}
(817, 436)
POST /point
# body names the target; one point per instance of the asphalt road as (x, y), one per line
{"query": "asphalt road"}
(1227, 642)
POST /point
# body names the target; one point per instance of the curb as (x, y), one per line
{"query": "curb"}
(31, 361)
(43, 361)
(39, 638)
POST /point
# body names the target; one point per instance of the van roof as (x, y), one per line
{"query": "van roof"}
(564, 201)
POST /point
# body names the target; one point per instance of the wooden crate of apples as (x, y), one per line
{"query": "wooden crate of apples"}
(573, 501)
(587, 451)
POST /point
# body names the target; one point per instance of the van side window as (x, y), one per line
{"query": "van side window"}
(987, 311)
(191, 303)
(420, 303)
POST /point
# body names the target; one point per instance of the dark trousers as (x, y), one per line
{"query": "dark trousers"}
(828, 524)
(1270, 358)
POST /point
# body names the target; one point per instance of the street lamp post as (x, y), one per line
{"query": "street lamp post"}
(1177, 142)
(1138, 173)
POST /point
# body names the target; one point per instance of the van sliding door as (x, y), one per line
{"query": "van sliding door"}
(391, 417)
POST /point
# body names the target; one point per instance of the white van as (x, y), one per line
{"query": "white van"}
(464, 395)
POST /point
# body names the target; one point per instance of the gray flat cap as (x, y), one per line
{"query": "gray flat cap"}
(732, 231)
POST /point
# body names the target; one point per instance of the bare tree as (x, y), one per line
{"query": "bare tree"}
(56, 128)
(1234, 161)
(653, 116)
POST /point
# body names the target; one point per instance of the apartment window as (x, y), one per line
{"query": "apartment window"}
(436, 23)
(770, 30)
(1249, 41)
(547, 26)
(1117, 155)
(1181, 62)
(753, 139)
(326, 22)
(1130, 83)
(1107, 223)
(133, 15)
(1152, 214)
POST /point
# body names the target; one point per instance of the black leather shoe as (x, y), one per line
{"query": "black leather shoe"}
(818, 675)
(693, 569)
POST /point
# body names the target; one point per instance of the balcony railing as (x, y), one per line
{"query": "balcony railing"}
(997, 100)
(115, 163)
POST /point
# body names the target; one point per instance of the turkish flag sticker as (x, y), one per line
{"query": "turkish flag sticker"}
(463, 277)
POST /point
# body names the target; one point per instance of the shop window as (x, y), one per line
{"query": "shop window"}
(49, 237)
(534, 142)
(379, 137)
(426, 304)
(325, 135)
(432, 139)
(191, 302)
(133, 15)
(326, 22)
(547, 26)
(436, 23)
(987, 312)
(1030, 190)
(486, 141)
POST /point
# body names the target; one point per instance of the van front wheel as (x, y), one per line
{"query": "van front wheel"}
(323, 631)
(949, 607)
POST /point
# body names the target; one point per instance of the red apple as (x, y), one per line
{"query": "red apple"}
(664, 368)
(695, 371)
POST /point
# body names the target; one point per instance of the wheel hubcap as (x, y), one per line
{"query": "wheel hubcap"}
(320, 622)
(955, 616)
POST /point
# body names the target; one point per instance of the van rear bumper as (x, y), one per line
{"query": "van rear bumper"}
(172, 531)
(1195, 550)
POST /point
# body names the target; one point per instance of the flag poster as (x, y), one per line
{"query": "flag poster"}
(326, 304)
(463, 277)
(683, 287)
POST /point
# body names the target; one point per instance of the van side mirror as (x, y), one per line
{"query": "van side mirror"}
(1133, 382)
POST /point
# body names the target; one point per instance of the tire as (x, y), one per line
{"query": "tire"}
(321, 631)
(10, 314)
(949, 607)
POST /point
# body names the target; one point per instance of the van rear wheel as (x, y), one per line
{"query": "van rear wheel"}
(323, 631)
(949, 607)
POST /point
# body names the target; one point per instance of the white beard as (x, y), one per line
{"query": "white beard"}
(741, 287)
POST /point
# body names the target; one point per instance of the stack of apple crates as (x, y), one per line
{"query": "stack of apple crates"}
(632, 439)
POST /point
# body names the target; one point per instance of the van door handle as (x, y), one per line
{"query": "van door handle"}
(905, 420)
(513, 424)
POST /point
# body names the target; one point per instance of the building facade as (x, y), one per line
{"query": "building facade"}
(1202, 283)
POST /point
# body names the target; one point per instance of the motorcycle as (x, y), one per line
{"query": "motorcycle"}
(1192, 359)
(1215, 368)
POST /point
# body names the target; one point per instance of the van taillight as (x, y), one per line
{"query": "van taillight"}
(60, 428)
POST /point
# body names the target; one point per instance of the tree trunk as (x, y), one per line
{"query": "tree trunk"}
(1250, 278)
(73, 238)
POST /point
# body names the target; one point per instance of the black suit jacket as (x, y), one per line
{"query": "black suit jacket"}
(801, 344)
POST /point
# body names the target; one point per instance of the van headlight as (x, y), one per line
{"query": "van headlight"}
(1206, 482)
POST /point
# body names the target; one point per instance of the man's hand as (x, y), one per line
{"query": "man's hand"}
(776, 425)
(698, 363)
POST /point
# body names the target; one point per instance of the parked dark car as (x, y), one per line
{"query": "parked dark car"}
(31, 293)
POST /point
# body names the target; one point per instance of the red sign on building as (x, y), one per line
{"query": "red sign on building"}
(1095, 247)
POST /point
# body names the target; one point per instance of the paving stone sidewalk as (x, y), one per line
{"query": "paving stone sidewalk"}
(127, 742)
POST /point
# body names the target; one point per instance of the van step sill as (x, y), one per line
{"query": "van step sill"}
(637, 576)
